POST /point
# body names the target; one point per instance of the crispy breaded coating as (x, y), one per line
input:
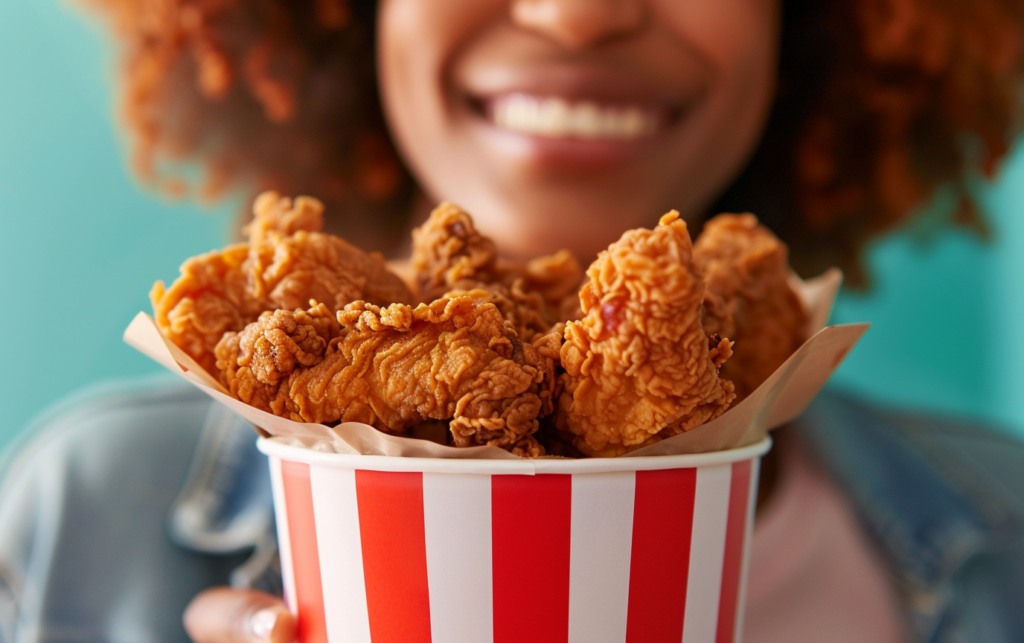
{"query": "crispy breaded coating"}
(638, 365)
(556, 278)
(455, 359)
(303, 325)
(749, 299)
(210, 297)
(286, 263)
(447, 250)
(450, 255)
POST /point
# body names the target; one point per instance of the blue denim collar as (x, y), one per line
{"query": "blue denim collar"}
(928, 508)
(225, 505)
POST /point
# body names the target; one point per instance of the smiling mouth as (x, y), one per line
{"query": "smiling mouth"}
(559, 118)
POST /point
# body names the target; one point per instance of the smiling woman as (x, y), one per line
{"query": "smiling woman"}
(519, 130)
(879, 102)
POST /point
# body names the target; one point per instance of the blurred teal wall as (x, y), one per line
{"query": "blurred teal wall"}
(947, 317)
(81, 244)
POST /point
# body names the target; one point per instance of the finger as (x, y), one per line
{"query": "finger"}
(226, 615)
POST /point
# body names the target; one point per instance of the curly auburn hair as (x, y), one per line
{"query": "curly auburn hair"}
(880, 103)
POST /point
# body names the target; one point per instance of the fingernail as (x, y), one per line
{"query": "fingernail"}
(262, 623)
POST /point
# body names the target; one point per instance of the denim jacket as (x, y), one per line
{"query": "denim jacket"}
(125, 503)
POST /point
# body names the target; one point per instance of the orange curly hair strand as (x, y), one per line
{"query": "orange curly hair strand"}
(881, 102)
(264, 94)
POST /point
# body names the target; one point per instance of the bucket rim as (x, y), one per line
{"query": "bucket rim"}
(524, 466)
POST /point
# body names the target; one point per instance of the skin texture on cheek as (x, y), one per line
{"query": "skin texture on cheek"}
(739, 41)
(416, 41)
(444, 64)
(405, 76)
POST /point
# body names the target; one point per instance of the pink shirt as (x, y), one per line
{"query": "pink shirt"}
(813, 575)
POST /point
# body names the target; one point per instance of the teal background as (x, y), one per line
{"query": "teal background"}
(81, 243)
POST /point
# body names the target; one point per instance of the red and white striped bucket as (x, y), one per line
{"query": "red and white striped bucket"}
(411, 550)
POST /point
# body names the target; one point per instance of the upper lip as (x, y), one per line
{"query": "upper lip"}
(579, 82)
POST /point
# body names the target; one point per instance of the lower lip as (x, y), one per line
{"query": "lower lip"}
(561, 153)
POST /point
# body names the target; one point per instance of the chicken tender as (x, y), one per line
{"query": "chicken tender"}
(455, 359)
(749, 299)
(286, 263)
(448, 249)
(450, 255)
(639, 366)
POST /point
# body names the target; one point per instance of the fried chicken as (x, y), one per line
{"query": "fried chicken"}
(450, 255)
(639, 366)
(306, 326)
(749, 299)
(455, 359)
(447, 250)
(286, 263)
(557, 278)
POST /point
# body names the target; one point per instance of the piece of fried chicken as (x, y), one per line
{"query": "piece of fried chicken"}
(451, 255)
(639, 366)
(455, 359)
(448, 249)
(286, 263)
(749, 299)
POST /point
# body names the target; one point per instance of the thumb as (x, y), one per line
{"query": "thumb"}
(226, 615)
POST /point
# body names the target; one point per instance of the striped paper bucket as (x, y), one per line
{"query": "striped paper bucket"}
(411, 550)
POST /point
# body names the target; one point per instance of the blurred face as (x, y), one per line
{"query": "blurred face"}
(561, 123)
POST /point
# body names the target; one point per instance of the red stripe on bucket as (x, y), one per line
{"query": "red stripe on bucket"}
(732, 563)
(660, 557)
(309, 599)
(530, 521)
(394, 555)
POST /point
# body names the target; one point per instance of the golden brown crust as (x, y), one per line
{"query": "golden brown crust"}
(555, 277)
(455, 359)
(207, 300)
(286, 263)
(451, 256)
(638, 366)
(749, 299)
(448, 249)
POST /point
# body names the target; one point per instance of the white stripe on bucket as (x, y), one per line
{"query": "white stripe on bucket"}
(707, 547)
(601, 536)
(457, 525)
(336, 511)
(283, 543)
(748, 537)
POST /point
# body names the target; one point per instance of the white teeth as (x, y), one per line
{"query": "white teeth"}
(558, 118)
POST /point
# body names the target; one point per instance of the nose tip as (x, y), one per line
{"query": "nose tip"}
(579, 24)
